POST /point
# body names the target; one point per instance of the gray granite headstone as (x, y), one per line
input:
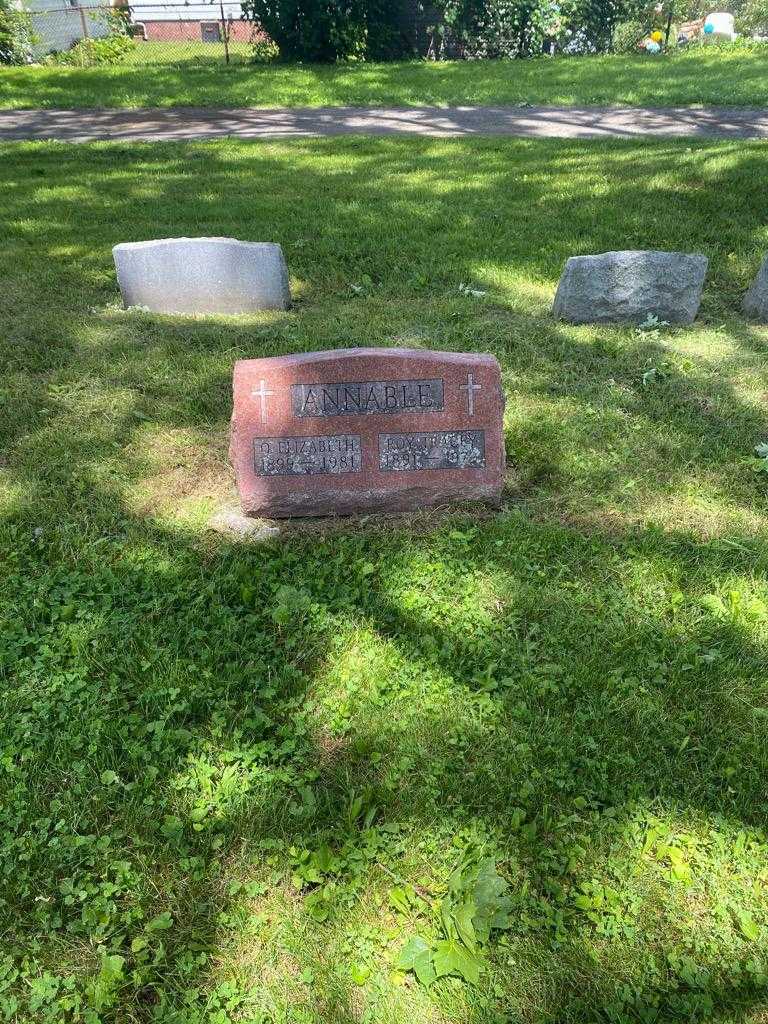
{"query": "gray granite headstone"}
(202, 275)
(756, 300)
(627, 287)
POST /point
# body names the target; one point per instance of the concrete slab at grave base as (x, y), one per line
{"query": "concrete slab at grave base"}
(341, 501)
(202, 275)
(366, 430)
(629, 286)
(233, 524)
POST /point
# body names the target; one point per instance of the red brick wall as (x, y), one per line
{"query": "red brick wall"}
(189, 31)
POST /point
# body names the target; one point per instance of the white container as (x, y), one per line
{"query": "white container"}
(723, 27)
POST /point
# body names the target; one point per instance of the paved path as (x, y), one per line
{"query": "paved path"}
(187, 123)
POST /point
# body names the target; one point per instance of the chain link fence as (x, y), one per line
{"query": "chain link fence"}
(170, 33)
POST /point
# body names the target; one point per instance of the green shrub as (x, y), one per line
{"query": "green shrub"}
(511, 28)
(520, 28)
(384, 37)
(309, 29)
(497, 28)
(753, 18)
(16, 35)
(89, 53)
(594, 21)
(627, 36)
(264, 51)
(329, 30)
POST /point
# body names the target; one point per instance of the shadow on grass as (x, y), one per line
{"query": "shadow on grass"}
(537, 688)
(402, 211)
(711, 76)
(526, 668)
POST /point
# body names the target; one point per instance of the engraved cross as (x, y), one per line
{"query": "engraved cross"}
(262, 394)
(470, 387)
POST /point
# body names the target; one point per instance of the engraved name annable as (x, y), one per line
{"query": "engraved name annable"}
(367, 397)
(440, 449)
(304, 456)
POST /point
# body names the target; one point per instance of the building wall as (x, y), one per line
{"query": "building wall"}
(58, 27)
(183, 10)
(190, 31)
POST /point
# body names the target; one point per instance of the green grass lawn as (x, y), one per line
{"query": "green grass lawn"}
(717, 75)
(188, 54)
(236, 781)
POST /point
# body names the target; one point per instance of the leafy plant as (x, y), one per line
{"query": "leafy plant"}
(87, 53)
(106, 984)
(736, 606)
(264, 51)
(651, 325)
(102, 49)
(475, 903)
(16, 35)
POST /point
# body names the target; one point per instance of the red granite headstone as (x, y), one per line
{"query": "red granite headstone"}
(366, 430)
